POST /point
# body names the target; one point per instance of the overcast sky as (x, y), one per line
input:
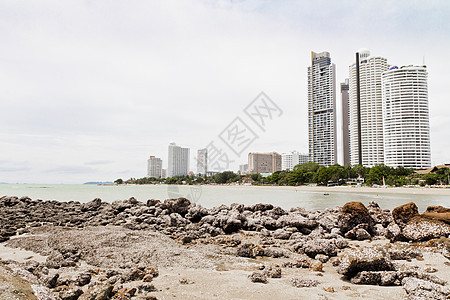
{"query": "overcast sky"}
(90, 89)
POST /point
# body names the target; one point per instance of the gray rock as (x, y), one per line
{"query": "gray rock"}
(354, 261)
(258, 277)
(376, 278)
(301, 283)
(422, 289)
(281, 234)
(320, 246)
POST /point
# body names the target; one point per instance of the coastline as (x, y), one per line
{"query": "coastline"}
(343, 189)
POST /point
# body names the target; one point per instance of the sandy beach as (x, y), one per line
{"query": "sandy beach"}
(352, 189)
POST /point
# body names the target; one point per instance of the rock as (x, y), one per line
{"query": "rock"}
(281, 234)
(152, 202)
(246, 250)
(196, 213)
(352, 215)
(83, 278)
(404, 213)
(295, 220)
(316, 266)
(260, 207)
(92, 205)
(354, 261)
(97, 292)
(437, 209)
(180, 206)
(276, 252)
(320, 246)
(50, 279)
(125, 293)
(393, 232)
(300, 283)
(69, 293)
(439, 216)
(422, 289)
(358, 233)
(273, 272)
(148, 287)
(258, 277)
(402, 251)
(376, 278)
(422, 229)
(322, 257)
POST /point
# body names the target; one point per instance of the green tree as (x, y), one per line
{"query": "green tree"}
(118, 181)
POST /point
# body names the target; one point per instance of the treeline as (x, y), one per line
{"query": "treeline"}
(313, 173)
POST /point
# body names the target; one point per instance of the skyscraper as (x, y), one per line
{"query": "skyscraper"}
(178, 161)
(322, 109)
(202, 161)
(290, 160)
(345, 122)
(366, 118)
(406, 117)
(264, 162)
(154, 167)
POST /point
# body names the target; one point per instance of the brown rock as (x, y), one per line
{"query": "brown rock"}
(440, 216)
(355, 208)
(438, 209)
(354, 214)
(404, 213)
(316, 266)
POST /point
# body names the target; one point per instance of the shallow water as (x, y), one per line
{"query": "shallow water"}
(209, 196)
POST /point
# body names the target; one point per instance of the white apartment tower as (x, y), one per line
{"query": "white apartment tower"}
(202, 161)
(322, 109)
(178, 161)
(365, 103)
(406, 131)
(290, 160)
(154, 167)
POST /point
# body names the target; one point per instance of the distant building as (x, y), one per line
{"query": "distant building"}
(322, 109)
(366, 118)
(202, 161)
(345, 122)
(406, 129)
(243, 169)
(154, 167)
(264, 162)
(164, 173)
(178, 161)
(290, 160)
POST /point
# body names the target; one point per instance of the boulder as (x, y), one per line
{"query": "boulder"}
(180, 206)
(281, 234)
(97, 292)
(439, 216)
(352, 215)
(296, 220)
(258, 277)
(376, 278)
(354, 261)
(91, 205)
(422, 289)
(404, 213)
(320, 246)
(422, 229)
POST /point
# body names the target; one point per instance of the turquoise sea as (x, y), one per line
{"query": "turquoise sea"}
(209, 196)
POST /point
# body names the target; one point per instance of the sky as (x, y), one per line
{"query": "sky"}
(90, 89)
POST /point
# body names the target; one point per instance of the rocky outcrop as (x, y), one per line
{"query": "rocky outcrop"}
(422, 229)
(404, 213)
(354, 214)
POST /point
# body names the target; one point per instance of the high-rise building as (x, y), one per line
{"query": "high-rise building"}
(202, 161)
(345, 122)
(406, 130)
(290, 160)
(243, 169)
(178, 161)
(264, 162)
(322, 109)
(366, 118)
(154, 167)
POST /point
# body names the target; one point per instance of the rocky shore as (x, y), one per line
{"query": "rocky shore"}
(133, 250)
